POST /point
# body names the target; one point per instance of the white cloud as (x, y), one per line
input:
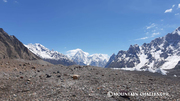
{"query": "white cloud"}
(173, 6)
(151, 26)
(15, 1)
(178, 5)
(177, 14)
(168, 10)
(154, 34)
(142, 38)
(153, 30)
(5, 0)
(147, 33)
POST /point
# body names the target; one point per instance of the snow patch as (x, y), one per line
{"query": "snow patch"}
(143, 60)
(159, 70)
(177, 31)
(171, 62)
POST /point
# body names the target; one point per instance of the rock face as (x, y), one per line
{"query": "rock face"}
(12, 48)
(110, 60)
(51, 56)
(177, 66)
(161, 53)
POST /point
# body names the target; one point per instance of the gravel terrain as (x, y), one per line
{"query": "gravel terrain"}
(22, 80)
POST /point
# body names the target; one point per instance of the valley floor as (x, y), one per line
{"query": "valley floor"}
(27, 81)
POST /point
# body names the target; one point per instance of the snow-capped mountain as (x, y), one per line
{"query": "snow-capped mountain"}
(51, 56)
(83, 58)
(161, 53)
(80, 57)
(98, 60)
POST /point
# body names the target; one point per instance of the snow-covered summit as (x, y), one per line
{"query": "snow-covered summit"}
(99, 57)
(49, 55)
(177, 31)
(71, 53)
(83, 58)
(44, 52)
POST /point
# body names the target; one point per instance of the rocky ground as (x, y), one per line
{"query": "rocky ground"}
(39, 81)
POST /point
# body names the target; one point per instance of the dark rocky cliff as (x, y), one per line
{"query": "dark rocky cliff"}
(12, 48)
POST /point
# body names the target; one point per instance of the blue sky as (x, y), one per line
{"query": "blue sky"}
(95, 26)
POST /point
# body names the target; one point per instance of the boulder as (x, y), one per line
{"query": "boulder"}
(75, 76)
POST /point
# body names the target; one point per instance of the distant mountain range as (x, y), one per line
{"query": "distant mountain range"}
(73, 57)
(83, 58)
(12, 48)
(51, 56)
(156, 56)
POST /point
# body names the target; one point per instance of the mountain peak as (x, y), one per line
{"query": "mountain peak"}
(113, 54)
(81, 54)
(136, 45)
(38, 45)
(133, 49)
(177, 31)
(160, 53)
(73, 52)
(12, 48)
(1, 30)
(53, 57)
(42, 51)
(83, 58)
